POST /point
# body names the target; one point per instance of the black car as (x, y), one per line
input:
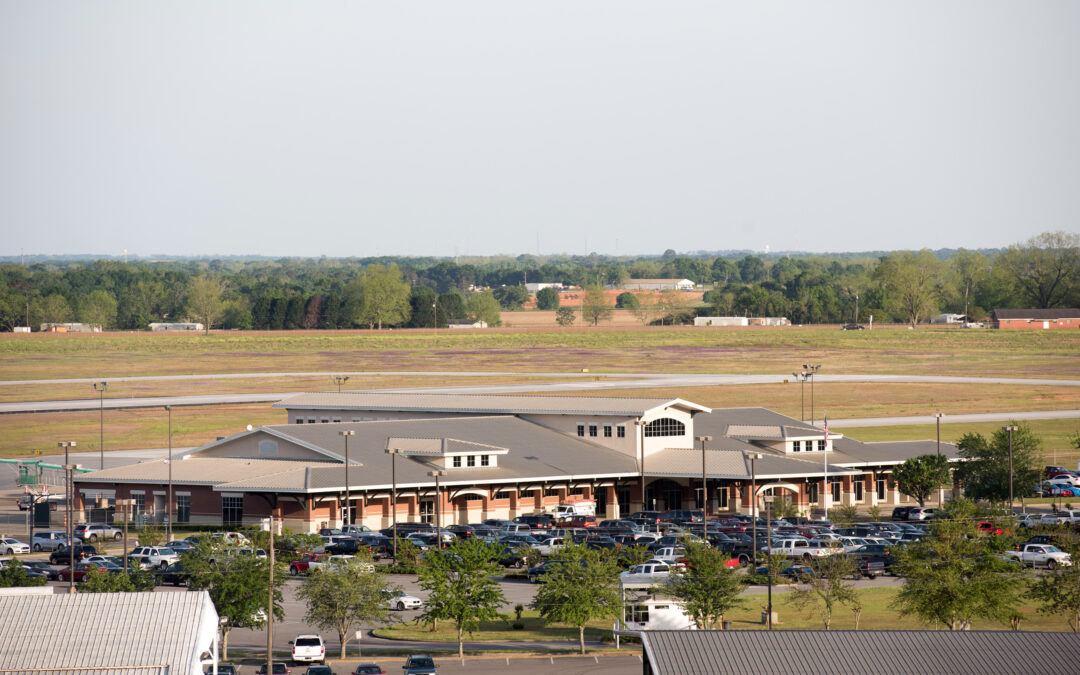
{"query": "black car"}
(901, 512)
(42, 567)
(538, 521)
(223, 669)
(600, 542)
(369, 669)
(279, 669)
(405, 529)
(173, 574)
(462, 531)
(510, 558)
(63, 556)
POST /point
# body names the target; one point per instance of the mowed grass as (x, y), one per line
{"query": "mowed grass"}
(877, 614)
(928, 351)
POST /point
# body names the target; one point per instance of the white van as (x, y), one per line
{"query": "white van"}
(582, 508)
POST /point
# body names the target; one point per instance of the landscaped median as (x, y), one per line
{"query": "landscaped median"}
(534, 630)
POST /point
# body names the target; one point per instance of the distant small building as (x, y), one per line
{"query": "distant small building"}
(158, 327)
(769, 321)
(70, 328)
(1035, 319)
(467, 324)
(658, 285)
(721, 321)
(534, 288)
(21, 329)
(949, 318)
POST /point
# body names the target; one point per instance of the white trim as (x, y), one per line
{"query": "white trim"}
(137, 492)
(232, 494)
(182, 494)
(161, 492)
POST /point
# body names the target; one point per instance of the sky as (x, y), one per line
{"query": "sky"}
(482, 128)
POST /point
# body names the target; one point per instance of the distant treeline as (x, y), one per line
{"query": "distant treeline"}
(343, 293)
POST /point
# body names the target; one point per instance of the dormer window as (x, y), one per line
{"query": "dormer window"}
(821, 445)
(484, 460)
(457, 462)
(471, 460)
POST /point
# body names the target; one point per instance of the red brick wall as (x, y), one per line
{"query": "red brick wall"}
(1036, 324)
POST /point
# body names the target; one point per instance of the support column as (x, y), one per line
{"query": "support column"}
(611, 512)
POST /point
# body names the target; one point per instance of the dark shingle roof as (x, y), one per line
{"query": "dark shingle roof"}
(694, 652)
(1039, 314)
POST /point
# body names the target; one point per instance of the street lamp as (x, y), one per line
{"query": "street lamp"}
(438, 504)
(393, 452)
(811, 370)
(754, 456)
(169, 506)
(69, 503)
(126, 505)
(640, 424)
(100, 388)
(1011, 428)
(348, 497)
(339, 379)
(435, 313)
(768, 547)
(704, 490)
(801, 377)
(939, 415)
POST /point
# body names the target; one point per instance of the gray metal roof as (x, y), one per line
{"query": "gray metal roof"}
(694, 652)
(99, 633)
(483, 404)
(732, 464)
(1038, 314)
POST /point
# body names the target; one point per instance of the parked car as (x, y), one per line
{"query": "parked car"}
(174, 574)
(400, 600)
(62, 556)
(224, 669)
(537, 521)
(921, 513)
(49, 540)
(160, 557)
(536, 574)
(42, 567)
(308, 649)
(180, 545)
(94, 531)
(307, 563)
(646, 572)
(369, 669)
(419, 664)
(12, 546)
(279, 669)
(318, 670)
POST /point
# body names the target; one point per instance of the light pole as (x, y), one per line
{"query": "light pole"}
(768, 547)
(801, 377)
(641, 465)
(348, 496)
(1011, 428)
(69, 503)
(438, 504)
(393, 452)
(435, 313)
(939, 415)
(754, 456)
(126, 505)
(704, 490)
(100, 388)
(270, 604)
(811, 369)
(169, 506)
(339, 379)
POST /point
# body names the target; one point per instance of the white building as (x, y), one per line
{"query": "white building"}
(533, 288)
(176, 326)
(659, 285)
(721, 321)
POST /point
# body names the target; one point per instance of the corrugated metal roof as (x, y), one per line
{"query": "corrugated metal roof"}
(194, 470)
(105, 631)
(482, 403)
(694, 652)
(732, 464)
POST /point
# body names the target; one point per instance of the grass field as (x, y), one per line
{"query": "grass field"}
(876, 615)
(929, 351)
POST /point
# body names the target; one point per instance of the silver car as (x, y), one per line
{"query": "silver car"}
(94, 531)
(50, 540)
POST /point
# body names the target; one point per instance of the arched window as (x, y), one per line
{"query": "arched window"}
(665, 426)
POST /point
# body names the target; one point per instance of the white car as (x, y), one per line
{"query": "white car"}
(646, 573)
(11, 546)
(159, 557)
(550, 545)
(669, 555)
(308, 649)
(400, 600)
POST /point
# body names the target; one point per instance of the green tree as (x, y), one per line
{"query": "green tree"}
(239, 586)
(985, 473)
(204, 302)
(385, 297)
(674, 306)
(911, 280)
(511, 297)
(14, 575)
(954, 576)
(55, 309)
(452, 306)
(564, 316)
(828, 588)
(752, 269)
(918, 477)
(461, 587)
(547, 299)
(581, 587)
(1059, 591)
(484, 307)
(707, 587)
(1046, 268)
(594, 308)
(98, 308)
(627, 300)
(422, 301)
(968, 269)
(343, 596)
(135, 580)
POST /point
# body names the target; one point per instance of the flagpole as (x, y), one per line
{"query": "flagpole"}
(825, 454)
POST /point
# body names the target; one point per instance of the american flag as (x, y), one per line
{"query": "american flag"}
(826, 428)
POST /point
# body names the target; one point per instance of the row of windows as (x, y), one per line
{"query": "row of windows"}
(470, 460)
(594, 431)
(324, 420)
(808, 446)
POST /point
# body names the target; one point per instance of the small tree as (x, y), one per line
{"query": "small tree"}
(14, 574)
(204, 302)
(844, 515)
(564, 316)
(547, 298)
(827, 589)
(460, 585)
(594, 308)
(707, 587)
(627, 300)
(581, 587)
(484, 307)
(1059, 591)
(341, 597)
(918, 477)
(136, 580)
(985, 474)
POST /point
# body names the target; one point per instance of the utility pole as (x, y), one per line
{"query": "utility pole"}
(704, 491)
(812, 370)
(1011, 428)
(169, 507)
(348, 501)
(100, 387)
(939, 416)
(270, 604)
(69, 504)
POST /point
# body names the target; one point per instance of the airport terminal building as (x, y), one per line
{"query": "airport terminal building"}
(499, 457)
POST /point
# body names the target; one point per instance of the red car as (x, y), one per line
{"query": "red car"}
(578, 521)
(82, 568)
(303, 565)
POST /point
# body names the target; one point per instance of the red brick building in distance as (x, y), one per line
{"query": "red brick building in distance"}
(1035, 319)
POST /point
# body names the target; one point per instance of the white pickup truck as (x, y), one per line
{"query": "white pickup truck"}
(801, 548)
(1034, 555)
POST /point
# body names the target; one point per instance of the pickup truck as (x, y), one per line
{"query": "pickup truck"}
(800, 548)
(1034, 555)
(306, 563)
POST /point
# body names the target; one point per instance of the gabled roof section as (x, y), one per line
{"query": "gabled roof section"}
(484, 404)
(777, 433)
(1037, 314)
(106, 633)
(275, 431)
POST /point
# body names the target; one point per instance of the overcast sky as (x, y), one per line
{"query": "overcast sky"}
(435, 128)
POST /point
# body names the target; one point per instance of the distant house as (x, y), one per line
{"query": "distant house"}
(158, 327)
(70, 328)
(467, 324)
(741, 321)
(1035, 319)
(658, 285)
